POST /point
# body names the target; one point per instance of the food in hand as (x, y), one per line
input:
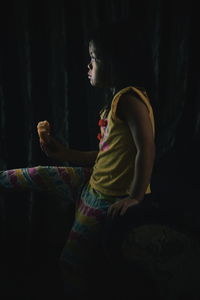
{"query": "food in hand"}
(43, 129)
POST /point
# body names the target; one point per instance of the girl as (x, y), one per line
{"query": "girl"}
(110, 181)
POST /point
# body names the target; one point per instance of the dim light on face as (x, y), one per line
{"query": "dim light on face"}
(97, 73)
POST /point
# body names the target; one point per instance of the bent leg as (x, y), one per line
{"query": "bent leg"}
(82, 254)
(60, 181)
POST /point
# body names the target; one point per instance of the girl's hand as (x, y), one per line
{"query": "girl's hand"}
(43, 129)
(120, 207)
(49, 145)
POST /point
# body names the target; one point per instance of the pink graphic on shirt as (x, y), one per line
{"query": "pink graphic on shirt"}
(103, 145)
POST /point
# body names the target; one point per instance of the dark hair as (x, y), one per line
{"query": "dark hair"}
(126, 49)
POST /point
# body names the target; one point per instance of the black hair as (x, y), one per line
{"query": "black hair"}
(125, 48)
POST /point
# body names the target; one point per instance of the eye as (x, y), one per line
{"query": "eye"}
(93, 58)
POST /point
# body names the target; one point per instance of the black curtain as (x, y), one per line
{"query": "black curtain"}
(43, 76)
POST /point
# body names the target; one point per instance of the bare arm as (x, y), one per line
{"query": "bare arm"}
(135, 113)
(80, 158)
(55, 150)
(60, 152)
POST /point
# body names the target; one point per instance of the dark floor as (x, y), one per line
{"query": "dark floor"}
(35, 281)
(31, 282)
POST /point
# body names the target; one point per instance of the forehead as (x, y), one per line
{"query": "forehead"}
(92, 48)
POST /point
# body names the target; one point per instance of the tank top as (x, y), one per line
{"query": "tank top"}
(113, 170)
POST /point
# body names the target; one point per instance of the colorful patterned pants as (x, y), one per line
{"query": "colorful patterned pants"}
(83, 244)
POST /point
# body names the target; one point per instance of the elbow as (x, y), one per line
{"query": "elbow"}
(148, 151)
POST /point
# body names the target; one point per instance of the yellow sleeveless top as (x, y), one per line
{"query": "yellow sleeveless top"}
(113, 171)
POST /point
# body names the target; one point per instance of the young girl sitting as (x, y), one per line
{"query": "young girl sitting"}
(109, 181)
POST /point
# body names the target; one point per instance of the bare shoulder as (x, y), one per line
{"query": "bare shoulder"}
(130, 104)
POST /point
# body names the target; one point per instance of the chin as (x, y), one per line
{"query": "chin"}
(93, 83)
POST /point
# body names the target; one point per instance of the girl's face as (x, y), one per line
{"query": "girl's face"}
(97, 73)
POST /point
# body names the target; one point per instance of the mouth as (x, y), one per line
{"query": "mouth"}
(89, 75)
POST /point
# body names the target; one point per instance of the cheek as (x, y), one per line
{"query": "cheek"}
(100, 79)
(100, 73)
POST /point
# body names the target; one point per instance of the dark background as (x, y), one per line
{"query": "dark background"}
(43, 76)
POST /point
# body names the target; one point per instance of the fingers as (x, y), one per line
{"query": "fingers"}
(44, 137)
(43, 129)
(124, 209)
(120, 207)
(48, 146)
(116, 209)
(44, 124)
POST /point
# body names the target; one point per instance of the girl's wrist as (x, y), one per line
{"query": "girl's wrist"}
(138, 198)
